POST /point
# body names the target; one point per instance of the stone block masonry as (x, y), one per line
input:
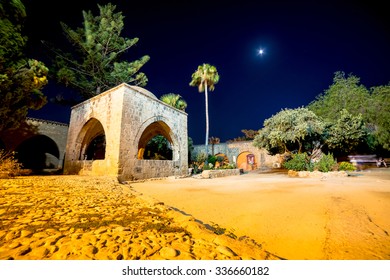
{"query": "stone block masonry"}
(125, 119)
(239, 153)
(210, 174)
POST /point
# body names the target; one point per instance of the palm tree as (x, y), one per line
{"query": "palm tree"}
(214, 140)
(205, 77)
(175, 100)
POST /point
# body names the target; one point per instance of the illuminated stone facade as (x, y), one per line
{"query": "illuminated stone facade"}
(243, 154)
(120, 122)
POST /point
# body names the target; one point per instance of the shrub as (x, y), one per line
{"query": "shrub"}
(298, 162)
(201, 157)
(346, 166)
(9, 166)
(212, 159)
(326, 163)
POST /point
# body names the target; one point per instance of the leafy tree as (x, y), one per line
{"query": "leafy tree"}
(175, 100)
(378, 120)
(290, 129)
(372, 106)
(344, 93)
(205, 78)
(249, 134)
(158, 148)
(346, 133)
(94, 65)
(21, 78)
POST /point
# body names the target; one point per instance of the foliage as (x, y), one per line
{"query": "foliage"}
(94, 65)
(158, 148)
(190, 149)
(346, 166)
(21, 78)
(326, 163)
(290, 129)
(228, 166)
(9, 166)
(346, 133)
(175, 100)
(344, 93)
(212, 159)
(298, 162)
(302, 162)
(372, 106)
(378, 119)
(205, 78)
(249, 134)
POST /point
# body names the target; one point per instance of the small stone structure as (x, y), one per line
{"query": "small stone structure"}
(119, 123)
(210, 174)
(243, 154)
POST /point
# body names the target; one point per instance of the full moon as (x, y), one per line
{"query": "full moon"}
(261, 52)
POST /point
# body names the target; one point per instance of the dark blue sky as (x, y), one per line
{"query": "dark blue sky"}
(305, 43)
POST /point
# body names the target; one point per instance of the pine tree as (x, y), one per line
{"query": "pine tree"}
(94, 64)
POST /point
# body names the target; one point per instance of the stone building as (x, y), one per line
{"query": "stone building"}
(109, 132)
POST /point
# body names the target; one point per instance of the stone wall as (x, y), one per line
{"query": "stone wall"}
(128, 117)
(237, 152)
(210, 174)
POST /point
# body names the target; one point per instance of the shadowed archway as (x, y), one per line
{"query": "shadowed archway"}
(93, 141)
(37, 153)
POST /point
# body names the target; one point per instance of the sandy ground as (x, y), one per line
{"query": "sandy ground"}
(97, 218)
(340, 218)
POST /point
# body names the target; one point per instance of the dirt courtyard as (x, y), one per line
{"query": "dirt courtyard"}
(338, 218)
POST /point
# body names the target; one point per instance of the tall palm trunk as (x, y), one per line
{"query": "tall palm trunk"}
(207, 118)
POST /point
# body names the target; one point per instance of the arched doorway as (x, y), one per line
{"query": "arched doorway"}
(37, 153)
(93, 145)
(156, 142)
(247, 161)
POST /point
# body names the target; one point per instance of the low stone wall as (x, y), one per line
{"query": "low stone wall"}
(316, 174)
(209, 174)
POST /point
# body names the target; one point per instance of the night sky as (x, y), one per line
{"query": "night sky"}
(304, 42)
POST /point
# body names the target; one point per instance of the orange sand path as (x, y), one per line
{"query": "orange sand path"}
(294, 218)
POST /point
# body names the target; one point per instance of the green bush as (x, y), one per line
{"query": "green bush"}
(326, 163)
(298, 162)
(212, 159)
(200, 158)
(346, 166)
(302, 162)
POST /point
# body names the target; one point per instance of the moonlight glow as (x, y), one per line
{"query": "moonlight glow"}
(260, 51)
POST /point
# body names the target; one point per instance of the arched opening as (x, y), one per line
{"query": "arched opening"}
(155, 142)
(247, 161)
(93, 145)
(158, 148)
(37, 153)
(96, 149)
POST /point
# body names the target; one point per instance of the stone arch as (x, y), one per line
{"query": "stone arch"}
(91, 141)
(243, 162)
(152, 127)
(38, 152)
